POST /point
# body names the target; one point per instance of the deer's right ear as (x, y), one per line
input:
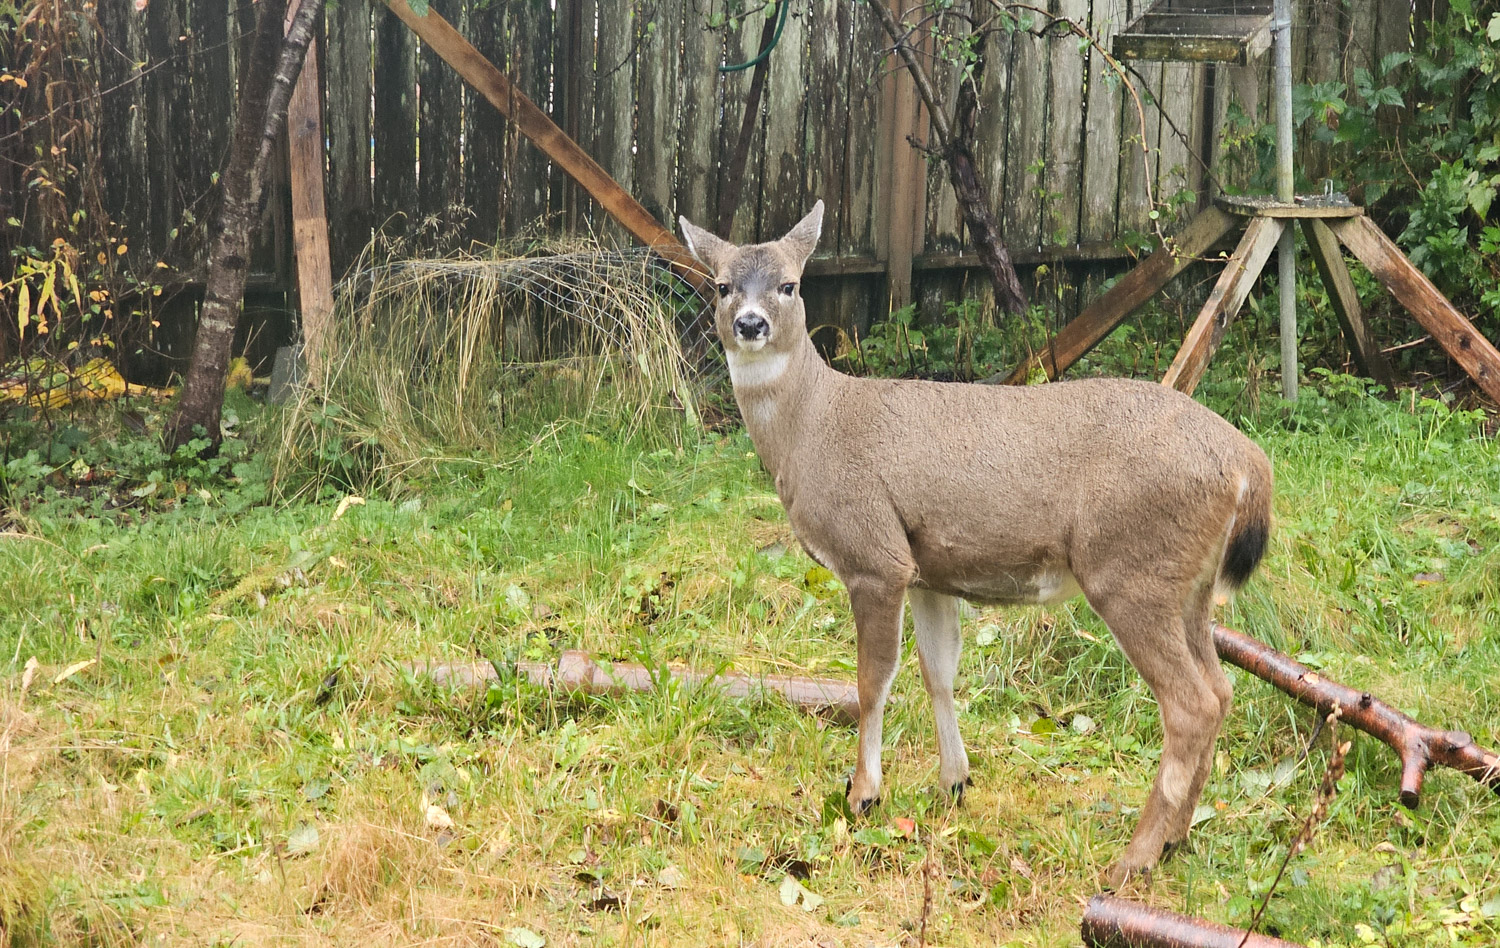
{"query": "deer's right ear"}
(705, 246)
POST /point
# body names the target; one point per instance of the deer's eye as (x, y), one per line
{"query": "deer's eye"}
(723, 290)
(787, 289)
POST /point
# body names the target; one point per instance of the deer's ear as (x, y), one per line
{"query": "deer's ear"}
(802, 239)
(705, 246)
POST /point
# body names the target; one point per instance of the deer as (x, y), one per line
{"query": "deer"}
(1125, 491)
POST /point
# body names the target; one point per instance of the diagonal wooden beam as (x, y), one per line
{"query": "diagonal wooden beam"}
(1472, 351)
(1099, 318)
(537, 126)
(1324, 247)
(1223, 303)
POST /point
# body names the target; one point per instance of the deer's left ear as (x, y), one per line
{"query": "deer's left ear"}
(802, 239)
(705, 246)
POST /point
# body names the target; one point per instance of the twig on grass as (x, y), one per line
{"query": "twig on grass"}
(1326, 791)
(1418, 745)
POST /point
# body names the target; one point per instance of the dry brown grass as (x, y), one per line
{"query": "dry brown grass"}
(435, 357)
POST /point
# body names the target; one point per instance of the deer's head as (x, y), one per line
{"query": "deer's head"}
(759, 307)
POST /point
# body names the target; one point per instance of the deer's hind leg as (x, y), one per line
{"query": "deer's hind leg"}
(939, 642)
(1197, 621)
(1151, 631)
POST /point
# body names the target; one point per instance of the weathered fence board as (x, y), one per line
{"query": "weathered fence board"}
(394, 129)
(1026, 143)
(346, 122)
(486, 189)
(636, 83)
(1103, 106)
(530, 33)
(440, 101)
(695, 192)
(1066, 130)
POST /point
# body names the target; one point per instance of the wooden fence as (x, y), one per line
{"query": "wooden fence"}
(636, 82)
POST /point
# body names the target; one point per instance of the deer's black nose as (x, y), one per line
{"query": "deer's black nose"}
(751, 326)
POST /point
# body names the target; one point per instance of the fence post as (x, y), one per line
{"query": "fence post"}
(903, 179)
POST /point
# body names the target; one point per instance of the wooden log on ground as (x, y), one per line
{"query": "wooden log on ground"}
(575, 671)
(1111, 922)
(1223, 303)
(1099, 318)
(1411, 288)
(1418, 745)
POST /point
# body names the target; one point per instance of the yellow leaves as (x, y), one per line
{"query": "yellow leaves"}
(23, 308)
(349, 500)
(72, 670)
(28, 675)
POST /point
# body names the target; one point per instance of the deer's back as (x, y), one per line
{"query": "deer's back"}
(1029, 475)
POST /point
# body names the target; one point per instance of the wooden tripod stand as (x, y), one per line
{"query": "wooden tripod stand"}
(1326, 225)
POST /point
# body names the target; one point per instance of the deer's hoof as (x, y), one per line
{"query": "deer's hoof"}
(1122, 871)
(956, 791)
(859, 803)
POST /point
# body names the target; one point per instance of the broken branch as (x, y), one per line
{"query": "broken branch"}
(1111, 922)
(1418, 745)
(576, 672)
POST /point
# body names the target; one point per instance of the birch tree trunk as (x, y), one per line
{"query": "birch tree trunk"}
(275, 62)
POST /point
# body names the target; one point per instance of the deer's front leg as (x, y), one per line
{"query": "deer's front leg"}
(877, 625)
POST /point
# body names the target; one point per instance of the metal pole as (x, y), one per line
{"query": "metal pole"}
(1286, 249)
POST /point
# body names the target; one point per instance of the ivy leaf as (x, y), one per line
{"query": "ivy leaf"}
(419, 7)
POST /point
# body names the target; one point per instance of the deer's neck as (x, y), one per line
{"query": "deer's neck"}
(777, 392)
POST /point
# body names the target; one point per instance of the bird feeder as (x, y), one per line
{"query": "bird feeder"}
(1198, 31)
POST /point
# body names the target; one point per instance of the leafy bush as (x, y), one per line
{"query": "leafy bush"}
(966, 345)
(107, 461)
(1418, 141)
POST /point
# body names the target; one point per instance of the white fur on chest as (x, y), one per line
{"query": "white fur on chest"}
(754, 369)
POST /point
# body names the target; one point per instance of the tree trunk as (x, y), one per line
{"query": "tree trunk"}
(956, 148)
(983, 227)
(275, 62)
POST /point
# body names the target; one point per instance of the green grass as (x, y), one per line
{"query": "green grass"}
(248, 759)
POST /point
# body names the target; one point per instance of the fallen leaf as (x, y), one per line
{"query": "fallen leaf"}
(670, 878)
(791, 891)
(303, 840)
(28, 674)
(1427, 579)
(72, 670)
(350, 500)
(904, 825)
(1021, 867)
(525, 938)
(437, 817)
(1081, 724)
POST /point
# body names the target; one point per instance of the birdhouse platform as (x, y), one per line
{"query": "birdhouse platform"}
(1222, 31)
